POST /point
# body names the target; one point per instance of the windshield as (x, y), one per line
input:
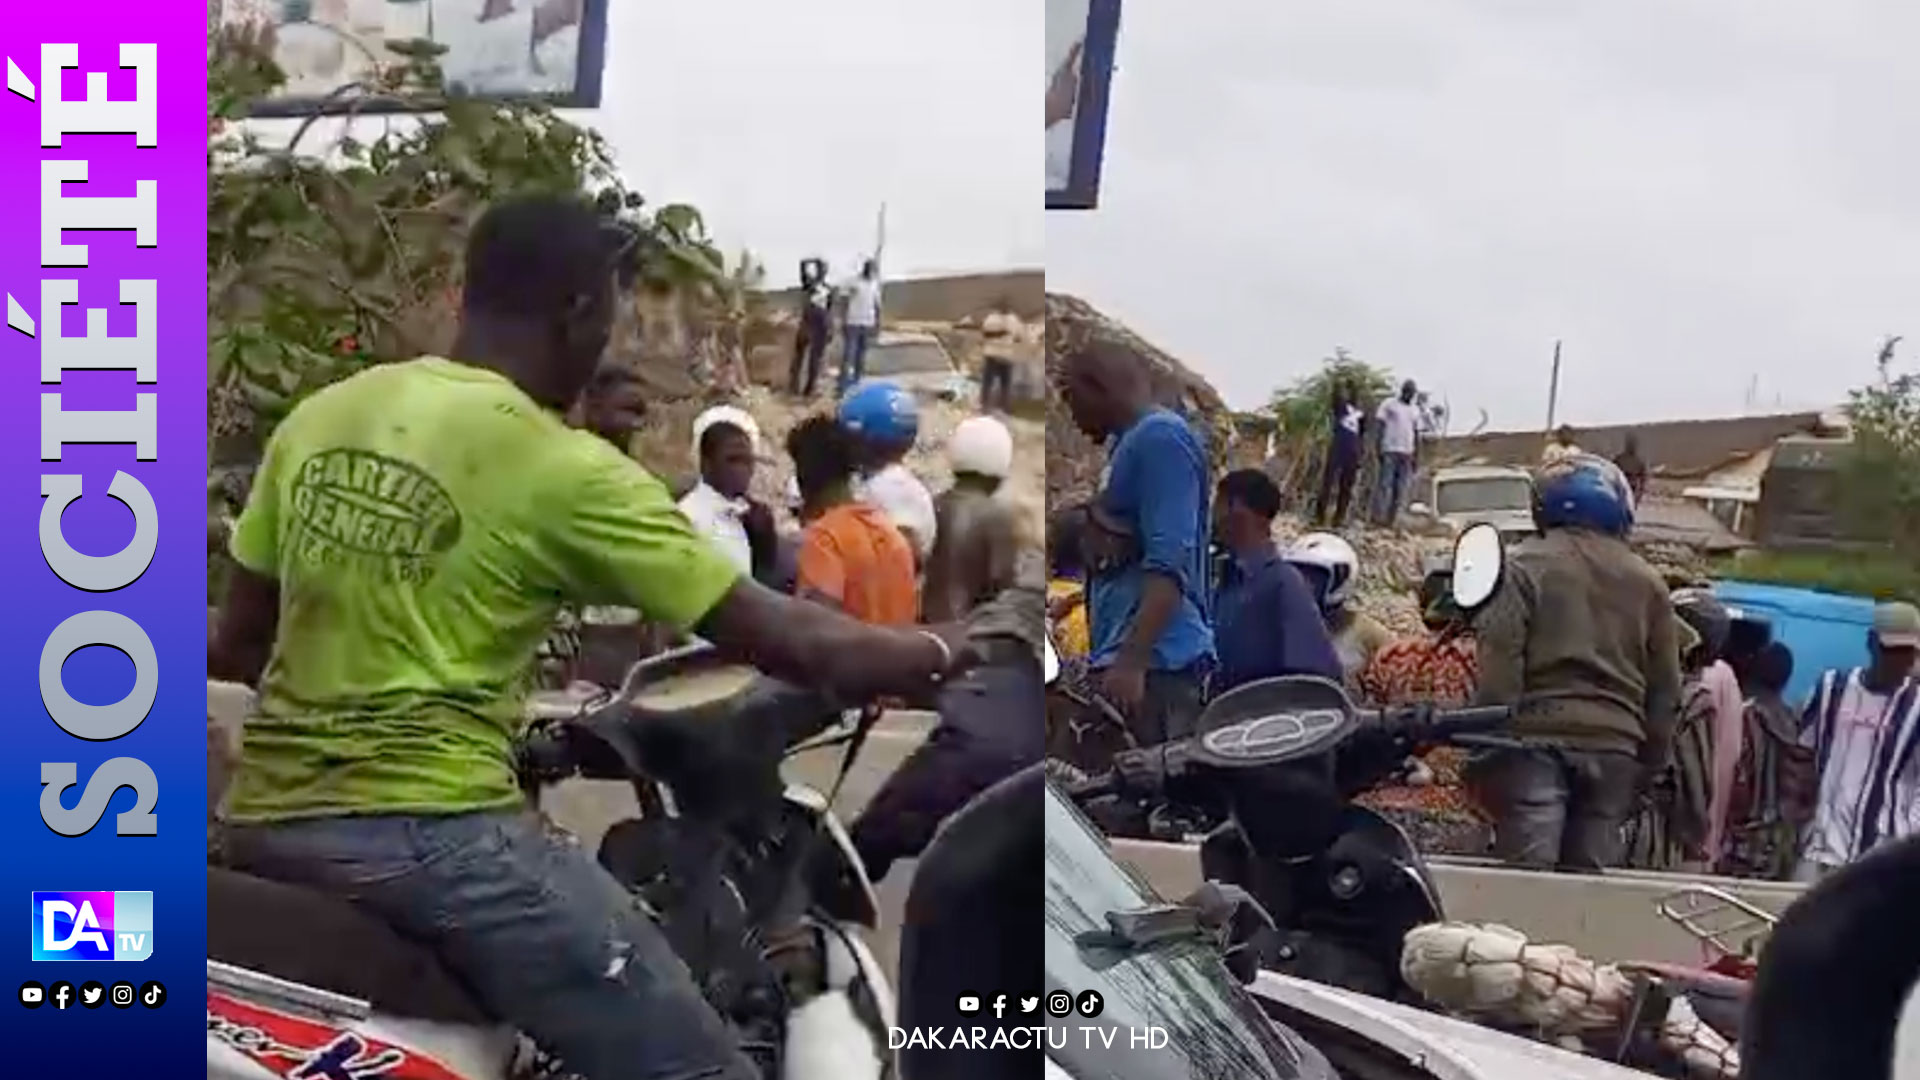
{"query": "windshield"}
(1490, 494)
(1213, 1027)
(908, 358)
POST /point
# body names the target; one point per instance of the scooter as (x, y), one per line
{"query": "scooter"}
(1341, 884)
(1335, 888)
(755, 883)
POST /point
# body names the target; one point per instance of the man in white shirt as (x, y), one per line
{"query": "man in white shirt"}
(727, 445)
(859, 324)
(1863, 726)
(1401, 425)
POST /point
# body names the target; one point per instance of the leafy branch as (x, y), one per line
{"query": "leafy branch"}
(323, 260)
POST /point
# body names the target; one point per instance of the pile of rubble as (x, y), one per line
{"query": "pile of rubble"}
(1073, 461)
(1391, 566)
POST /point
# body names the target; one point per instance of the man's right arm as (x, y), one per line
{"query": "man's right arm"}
(249, 618)
(620, 538)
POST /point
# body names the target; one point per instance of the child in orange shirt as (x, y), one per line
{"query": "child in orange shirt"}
(851, 556)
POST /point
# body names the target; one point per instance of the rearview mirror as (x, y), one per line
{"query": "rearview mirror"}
(1050, 661)
(1420, 509)
(1479, 561)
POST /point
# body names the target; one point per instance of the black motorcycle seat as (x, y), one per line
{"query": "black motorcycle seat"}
(308, 937)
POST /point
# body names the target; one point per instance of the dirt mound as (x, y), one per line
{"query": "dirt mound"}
(1391, 566)
(1073, 461)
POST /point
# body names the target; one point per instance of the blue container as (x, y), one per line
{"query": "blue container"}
(1824, 630)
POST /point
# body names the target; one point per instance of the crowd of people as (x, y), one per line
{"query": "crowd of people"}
(1650, 726)
(392, 652)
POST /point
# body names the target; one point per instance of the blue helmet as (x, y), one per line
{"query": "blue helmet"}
(1582, 491)
(881, 413)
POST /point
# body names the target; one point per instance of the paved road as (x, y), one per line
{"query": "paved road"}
(588, 807)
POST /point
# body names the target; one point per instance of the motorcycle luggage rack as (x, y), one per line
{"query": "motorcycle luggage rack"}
(1724, 923)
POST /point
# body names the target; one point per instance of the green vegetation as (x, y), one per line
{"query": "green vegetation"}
(1881, 576)
(1878, 489)
(323, 259)
(1300, 409)
(1880, 478)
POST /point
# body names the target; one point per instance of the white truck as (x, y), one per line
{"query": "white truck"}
(1461, 495)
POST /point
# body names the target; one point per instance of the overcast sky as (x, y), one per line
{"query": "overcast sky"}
(1693, 195)
(789, 124)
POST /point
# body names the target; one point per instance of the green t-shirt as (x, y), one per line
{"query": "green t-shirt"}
(426, 521)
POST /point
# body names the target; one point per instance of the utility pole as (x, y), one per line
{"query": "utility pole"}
(1553, 388)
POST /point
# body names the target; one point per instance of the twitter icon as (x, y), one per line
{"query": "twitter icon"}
(1029, 1005)
(92, 994)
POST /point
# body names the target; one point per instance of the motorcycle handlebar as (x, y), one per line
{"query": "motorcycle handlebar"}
(1424, 724)
(1482, 718)
(1139, 770)
(1091, 787)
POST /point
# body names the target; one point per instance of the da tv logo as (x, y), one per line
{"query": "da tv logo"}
(92, 925)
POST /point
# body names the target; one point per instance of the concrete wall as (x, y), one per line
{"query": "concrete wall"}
(949, 299)
(1608, 917)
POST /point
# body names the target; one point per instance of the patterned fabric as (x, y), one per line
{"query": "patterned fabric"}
(1070, 634)
(1441, 670)
(1441, 815)
(1775, 787)
(1865, 750)
(1670, 830)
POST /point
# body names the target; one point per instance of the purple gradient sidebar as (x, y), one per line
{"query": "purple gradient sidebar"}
(133, 279)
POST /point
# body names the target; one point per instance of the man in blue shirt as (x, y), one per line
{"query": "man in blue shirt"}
(1147, 573)
(1266, 621)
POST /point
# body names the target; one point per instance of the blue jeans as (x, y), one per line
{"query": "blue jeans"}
(1396, 471)
(853, 358)
(545, 938)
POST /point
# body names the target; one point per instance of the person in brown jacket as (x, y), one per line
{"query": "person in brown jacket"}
(1580, 641)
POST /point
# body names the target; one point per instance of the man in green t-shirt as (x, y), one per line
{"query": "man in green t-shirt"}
(409, 538)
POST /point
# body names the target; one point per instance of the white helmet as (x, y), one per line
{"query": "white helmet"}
(732, 417)
(1336, 561)
(981, 445)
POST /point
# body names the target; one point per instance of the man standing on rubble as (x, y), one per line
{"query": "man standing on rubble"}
(1402, 423)
(859, 324)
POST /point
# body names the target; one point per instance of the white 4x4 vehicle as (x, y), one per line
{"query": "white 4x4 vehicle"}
(1463, 495)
